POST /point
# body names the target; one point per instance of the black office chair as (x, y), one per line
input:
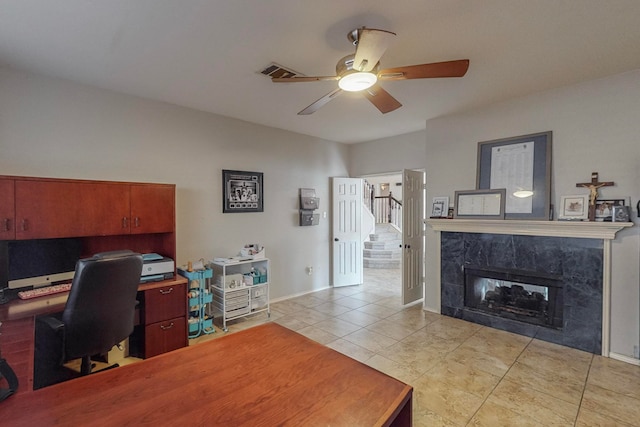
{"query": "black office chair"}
(98, 315)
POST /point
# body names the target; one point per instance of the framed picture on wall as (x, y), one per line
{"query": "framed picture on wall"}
(242, 191)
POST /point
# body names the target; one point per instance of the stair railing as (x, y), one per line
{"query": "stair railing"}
(387, 210)
(368, 195)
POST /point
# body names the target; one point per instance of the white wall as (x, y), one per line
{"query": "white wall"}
(595, 127)
(383, 160)
(388, 155)
(54, 128)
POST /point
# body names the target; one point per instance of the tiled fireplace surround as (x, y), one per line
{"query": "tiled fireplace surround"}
(578, 253)
(577, 262)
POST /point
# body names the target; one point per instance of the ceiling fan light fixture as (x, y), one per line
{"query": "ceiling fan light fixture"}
(357, 81)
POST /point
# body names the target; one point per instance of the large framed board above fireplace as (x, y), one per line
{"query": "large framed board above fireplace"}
(522, 165)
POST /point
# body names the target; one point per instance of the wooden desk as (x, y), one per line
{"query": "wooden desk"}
(263, 376)
(17, 333)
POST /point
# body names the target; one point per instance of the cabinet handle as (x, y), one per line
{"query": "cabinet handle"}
(25, 224)
(166, 292)
(136, 222)
(164, 328)
(7, 224)
(125, 222)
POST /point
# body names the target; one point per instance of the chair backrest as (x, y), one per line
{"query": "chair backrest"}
(101, 306)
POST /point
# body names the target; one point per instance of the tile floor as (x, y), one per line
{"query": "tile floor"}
(463, 374)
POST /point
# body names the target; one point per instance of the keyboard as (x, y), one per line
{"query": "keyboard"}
(47, 290)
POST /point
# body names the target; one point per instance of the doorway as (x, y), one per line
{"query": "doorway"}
(394, 251)
(383, 203)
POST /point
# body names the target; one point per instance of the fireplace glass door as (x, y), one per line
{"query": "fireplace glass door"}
(515, 295)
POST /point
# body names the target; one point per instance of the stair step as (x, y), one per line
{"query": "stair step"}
(388, 245)
(381, 263)
(384, 236)
(383, 248)
(382, 254)
(386, 227)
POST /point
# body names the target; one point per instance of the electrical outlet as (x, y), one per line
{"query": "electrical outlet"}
(636, 352)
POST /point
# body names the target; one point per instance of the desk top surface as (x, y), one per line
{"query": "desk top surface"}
(20, 309)
(266, 375)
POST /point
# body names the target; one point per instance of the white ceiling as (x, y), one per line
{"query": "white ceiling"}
(206, 54)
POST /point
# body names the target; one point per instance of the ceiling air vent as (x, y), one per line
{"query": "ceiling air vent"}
(275, 70)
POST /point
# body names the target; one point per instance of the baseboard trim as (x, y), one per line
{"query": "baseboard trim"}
(623, 358)
(271, 301)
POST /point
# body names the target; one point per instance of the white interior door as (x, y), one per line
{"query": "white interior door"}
(413, 210)
(347, 266)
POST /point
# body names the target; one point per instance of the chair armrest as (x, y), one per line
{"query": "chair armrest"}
(53, 323)
(50, 338)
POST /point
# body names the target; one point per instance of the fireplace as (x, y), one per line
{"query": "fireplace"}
(550, 288)
(518, 295)
(579, 253)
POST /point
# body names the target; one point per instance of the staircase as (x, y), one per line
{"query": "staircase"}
(383, 248)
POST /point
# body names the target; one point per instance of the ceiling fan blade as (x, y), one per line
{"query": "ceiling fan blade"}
(303, 79)
(320, 102)
(371, 46)
(423, 71)
(381, 99)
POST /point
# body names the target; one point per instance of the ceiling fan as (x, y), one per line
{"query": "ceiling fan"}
(360, 72)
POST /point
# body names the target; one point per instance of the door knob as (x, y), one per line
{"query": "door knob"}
(336, 239)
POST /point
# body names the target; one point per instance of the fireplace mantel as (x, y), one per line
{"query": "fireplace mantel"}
(592, 230)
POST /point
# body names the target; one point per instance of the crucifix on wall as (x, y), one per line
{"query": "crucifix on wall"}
(593, 196)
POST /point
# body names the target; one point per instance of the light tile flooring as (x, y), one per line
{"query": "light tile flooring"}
(463, 374)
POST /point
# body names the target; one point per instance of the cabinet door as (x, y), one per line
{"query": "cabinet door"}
(152, 209)
(165, 336)
(49, 209)
(7, 210)
(165, 303)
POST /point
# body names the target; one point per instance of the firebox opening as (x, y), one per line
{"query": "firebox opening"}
(527, 298)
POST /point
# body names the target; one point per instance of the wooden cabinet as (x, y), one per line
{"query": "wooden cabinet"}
(39, 208)
(163, 320)
(51, 209)
(7, 209)
(152, 209)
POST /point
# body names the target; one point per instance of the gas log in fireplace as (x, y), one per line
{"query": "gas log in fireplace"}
(522, 296)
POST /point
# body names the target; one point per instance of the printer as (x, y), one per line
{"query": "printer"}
(156, 267)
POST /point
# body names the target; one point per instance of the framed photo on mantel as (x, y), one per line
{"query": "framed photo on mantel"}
(440, 207)
(479, 204)
(521, 165)
(574, 208)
